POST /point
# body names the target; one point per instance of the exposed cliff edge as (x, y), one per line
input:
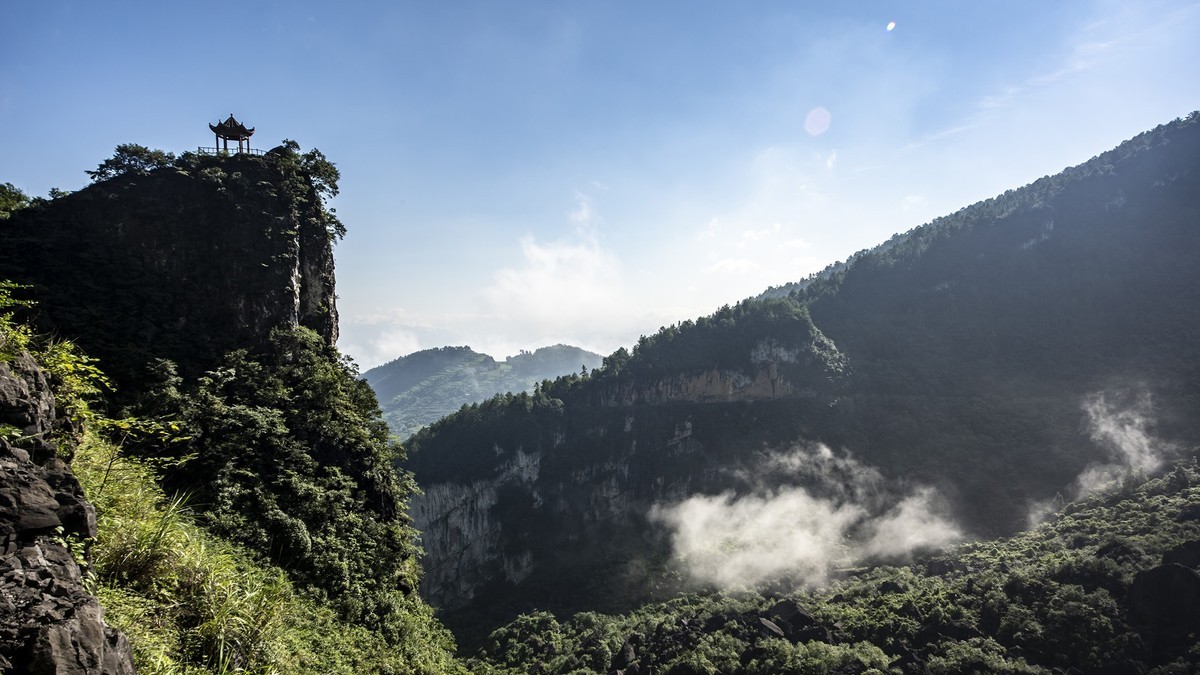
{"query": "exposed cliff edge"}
(185, 262)
(49, 624)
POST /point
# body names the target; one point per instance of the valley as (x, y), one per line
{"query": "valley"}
(970, 449)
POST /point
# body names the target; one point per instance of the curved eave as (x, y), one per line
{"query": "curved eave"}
(232, 133)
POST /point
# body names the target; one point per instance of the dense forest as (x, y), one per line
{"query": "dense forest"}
(1109, 585)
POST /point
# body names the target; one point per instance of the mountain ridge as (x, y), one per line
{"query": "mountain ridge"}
(963, 352)
(418, 389)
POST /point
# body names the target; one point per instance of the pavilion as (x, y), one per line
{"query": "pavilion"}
(232, 130)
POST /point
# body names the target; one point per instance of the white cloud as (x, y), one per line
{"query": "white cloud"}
(584, 213)
(732, 266)
(557, 282)
(1120, 424)
(825, 510)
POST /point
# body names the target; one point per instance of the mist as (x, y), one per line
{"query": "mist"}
(1119, 423)
(805, 513)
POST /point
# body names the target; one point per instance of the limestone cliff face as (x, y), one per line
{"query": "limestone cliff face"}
(49, 625)
(184, 262)
(462, 536)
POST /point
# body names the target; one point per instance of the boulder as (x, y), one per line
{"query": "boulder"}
(1165, 602)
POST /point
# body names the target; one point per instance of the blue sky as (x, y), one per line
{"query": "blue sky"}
(516, 174)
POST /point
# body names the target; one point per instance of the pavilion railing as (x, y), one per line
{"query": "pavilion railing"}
(229, 152)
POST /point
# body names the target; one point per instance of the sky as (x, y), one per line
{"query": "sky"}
(519, 174)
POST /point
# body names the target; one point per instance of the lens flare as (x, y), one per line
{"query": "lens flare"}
(817, 121)
(891, 26)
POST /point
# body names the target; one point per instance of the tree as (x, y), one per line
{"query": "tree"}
(11, 200)
(131, 158)
(324, 176)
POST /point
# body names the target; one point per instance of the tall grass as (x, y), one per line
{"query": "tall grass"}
(193, 604)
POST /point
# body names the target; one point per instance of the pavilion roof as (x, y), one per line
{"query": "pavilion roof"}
(232, 129)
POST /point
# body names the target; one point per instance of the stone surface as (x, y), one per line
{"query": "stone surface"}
(49, 625)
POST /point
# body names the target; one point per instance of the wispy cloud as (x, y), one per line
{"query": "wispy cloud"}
(584, 213)
(732, 266)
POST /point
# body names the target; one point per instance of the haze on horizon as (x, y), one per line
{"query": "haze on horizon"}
(525, 174)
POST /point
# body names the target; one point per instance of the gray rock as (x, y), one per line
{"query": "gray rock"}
(49, 625)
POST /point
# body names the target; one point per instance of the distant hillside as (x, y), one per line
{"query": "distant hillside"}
(425, 386)
(968, 356)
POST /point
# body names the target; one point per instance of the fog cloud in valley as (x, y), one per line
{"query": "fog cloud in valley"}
(805, 513)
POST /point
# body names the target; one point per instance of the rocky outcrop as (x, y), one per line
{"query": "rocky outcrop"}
(185, 262)
(49, 624)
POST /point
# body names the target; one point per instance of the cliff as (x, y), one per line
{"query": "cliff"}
(204, 288)
(183, 262)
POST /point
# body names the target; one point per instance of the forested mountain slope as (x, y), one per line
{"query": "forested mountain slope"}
(425, 386)
(971, 360)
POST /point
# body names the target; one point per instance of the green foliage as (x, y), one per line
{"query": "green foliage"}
(193, 603)
(74, 376)
(291, 458)
(314, 171)
(131, 158)
(12, 199)
(14, 335)
(76, 379)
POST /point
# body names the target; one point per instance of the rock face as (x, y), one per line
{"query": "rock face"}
(49, 625)
(184, 262)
